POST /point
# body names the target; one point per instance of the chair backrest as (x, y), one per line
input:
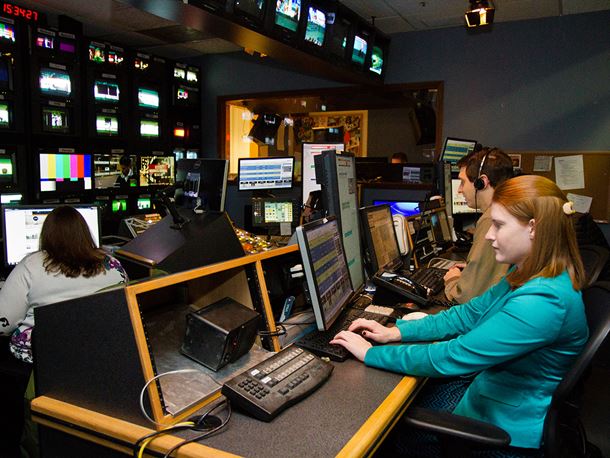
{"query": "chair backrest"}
(597, 309)
(594, 258)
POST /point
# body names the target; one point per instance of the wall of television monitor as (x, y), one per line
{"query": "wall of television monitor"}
(327, 29)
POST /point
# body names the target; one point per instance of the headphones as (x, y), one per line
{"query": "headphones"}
(479, 183)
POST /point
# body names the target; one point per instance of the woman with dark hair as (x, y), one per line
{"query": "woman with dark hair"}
(519, 338)
(68, 265)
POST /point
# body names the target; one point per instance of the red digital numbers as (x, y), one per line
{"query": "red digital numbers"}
(17, 11)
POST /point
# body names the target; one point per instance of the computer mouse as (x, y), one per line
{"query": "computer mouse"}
(414, 316)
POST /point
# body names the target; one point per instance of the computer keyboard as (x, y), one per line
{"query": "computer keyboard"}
(430, 277)
(277, 383)
(318, 341)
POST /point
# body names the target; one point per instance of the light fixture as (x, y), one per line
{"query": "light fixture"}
(480, 13)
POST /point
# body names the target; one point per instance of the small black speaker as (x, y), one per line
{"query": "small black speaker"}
(220, 333)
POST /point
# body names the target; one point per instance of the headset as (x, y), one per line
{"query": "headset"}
(479, 183)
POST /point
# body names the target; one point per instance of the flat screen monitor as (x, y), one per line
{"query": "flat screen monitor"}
(5, 115)
(458, 201)
(157, 170)
(63, 172)
(144, 203)
(192, 154)
(8, 169)
(148, 98)
(315, 30)
(376, 60)
(180, 73)
(107, 170)
(337, 43)
(265, 173)
(359, 50)
(205, 179)
(115, 56)
(106, 91)
(7, 32)
(97, 53)
(55, 82)
(106, 124)
(45, 41)
(67, 46)
(456, 148)
(287, 14)
(192, 76)
(400, 208)
(119, 205)
(326, 271)
(179, 155)
(10, 199)
(308, 168)
(22, 225)
(149, 128)
(440, 226)
(55, 120)
(337, 175)
(380, 238)
(274, 212)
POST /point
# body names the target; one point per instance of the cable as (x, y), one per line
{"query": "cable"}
(206, 433)
(280, 330)
(141, 444)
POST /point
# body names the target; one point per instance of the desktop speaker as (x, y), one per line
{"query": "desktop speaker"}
(220, 333)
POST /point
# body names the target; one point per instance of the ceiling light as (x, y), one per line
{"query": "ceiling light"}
(480, 13)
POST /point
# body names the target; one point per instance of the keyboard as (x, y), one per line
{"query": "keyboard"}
(430, 277)
(277, 383)
(318, 341)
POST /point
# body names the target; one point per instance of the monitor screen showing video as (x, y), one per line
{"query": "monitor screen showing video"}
(7, 168)
(376, 60)
(149, 128)
(65, 172)
(287, 14)
(106, 124)
(148, 98)
(108, 172)
(359, 51)
(106, 91)
(55, 82)
(5, 120)
(316, 26)
(115, 56)
(67, 46)
(55, 120)
(7, 32)
(97, 53)
(157, 170)
(45, 41)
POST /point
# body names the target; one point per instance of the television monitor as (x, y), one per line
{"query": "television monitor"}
(157, 170)
(8, 169)
(67, 46)
(149, 128)
(253, 11)
(179, 154)
(264, 128)
(22, 225)
(287, 14)
(141, 63)
(381, 243)
(107, 169)
(265, 173)
(185, 95)
(359, 50)
(205, 179)
(10, 199)
(106, 124)
(192, 76)
(5, 115)
(45, 41)
(456, 148)
(271, 212)
(377, 57)
(308, 168)
(97, 52)
(55, 119)
(326, 271)
(106, 91)
(180, 73)
(337, 175)
(401, 208)
(144, 203)
(65, 172)
(55, 82)
(6, 71)
(119, 205)
(315, 30)
(339, 34)
(192, 154)
(458, 201)
(7, 32)
(115, 56)
(148, 98)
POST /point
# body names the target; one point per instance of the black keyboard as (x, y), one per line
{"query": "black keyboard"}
(318, 341)
(430, 277)
(277, 383)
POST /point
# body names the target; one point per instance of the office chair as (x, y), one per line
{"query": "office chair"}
(563, 434)
(594, 259)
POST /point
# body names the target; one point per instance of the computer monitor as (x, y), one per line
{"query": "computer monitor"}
(265, 173)
(458, 201)
(106, 91)
(22, 225)
(65, 172)
(380, 239)
(148, 98)
(308, 168)
(157, 170)
(400, 208)
(337, 175)
(456, 148)
(55, 119)
(11, 199)
(326, 272)
(270, 212)
(205, 179)
(107, 168)
(440, 226)
(55, 82)
(287, 14)
(106, 125)
(315, 29)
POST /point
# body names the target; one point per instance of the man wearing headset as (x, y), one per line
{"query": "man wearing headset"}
(480, 173)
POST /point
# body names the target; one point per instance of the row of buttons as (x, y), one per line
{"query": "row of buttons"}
(254, 388)
(295, 382)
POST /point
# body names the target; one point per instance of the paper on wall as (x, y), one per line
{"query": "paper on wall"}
(569, 172)
(582, 204)
(542, 163)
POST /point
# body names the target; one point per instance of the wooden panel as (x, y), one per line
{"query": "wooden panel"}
(597, 177)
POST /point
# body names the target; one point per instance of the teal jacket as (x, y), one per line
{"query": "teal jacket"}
(519, 342)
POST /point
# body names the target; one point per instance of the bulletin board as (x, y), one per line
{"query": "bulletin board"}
(596, 167)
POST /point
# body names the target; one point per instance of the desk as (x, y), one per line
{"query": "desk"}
(347, 416)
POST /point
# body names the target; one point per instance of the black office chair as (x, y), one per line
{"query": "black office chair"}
(594, 259)
(563, 434)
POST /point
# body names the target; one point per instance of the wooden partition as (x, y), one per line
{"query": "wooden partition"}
(99, 351)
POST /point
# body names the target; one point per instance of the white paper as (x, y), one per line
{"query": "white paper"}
(582, 204)
(569, 172)
(285, 228)
(542, 163)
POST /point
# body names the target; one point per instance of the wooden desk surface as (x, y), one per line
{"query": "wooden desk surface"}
(347, 416)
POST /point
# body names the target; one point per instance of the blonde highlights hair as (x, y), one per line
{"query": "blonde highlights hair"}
(554, 248)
